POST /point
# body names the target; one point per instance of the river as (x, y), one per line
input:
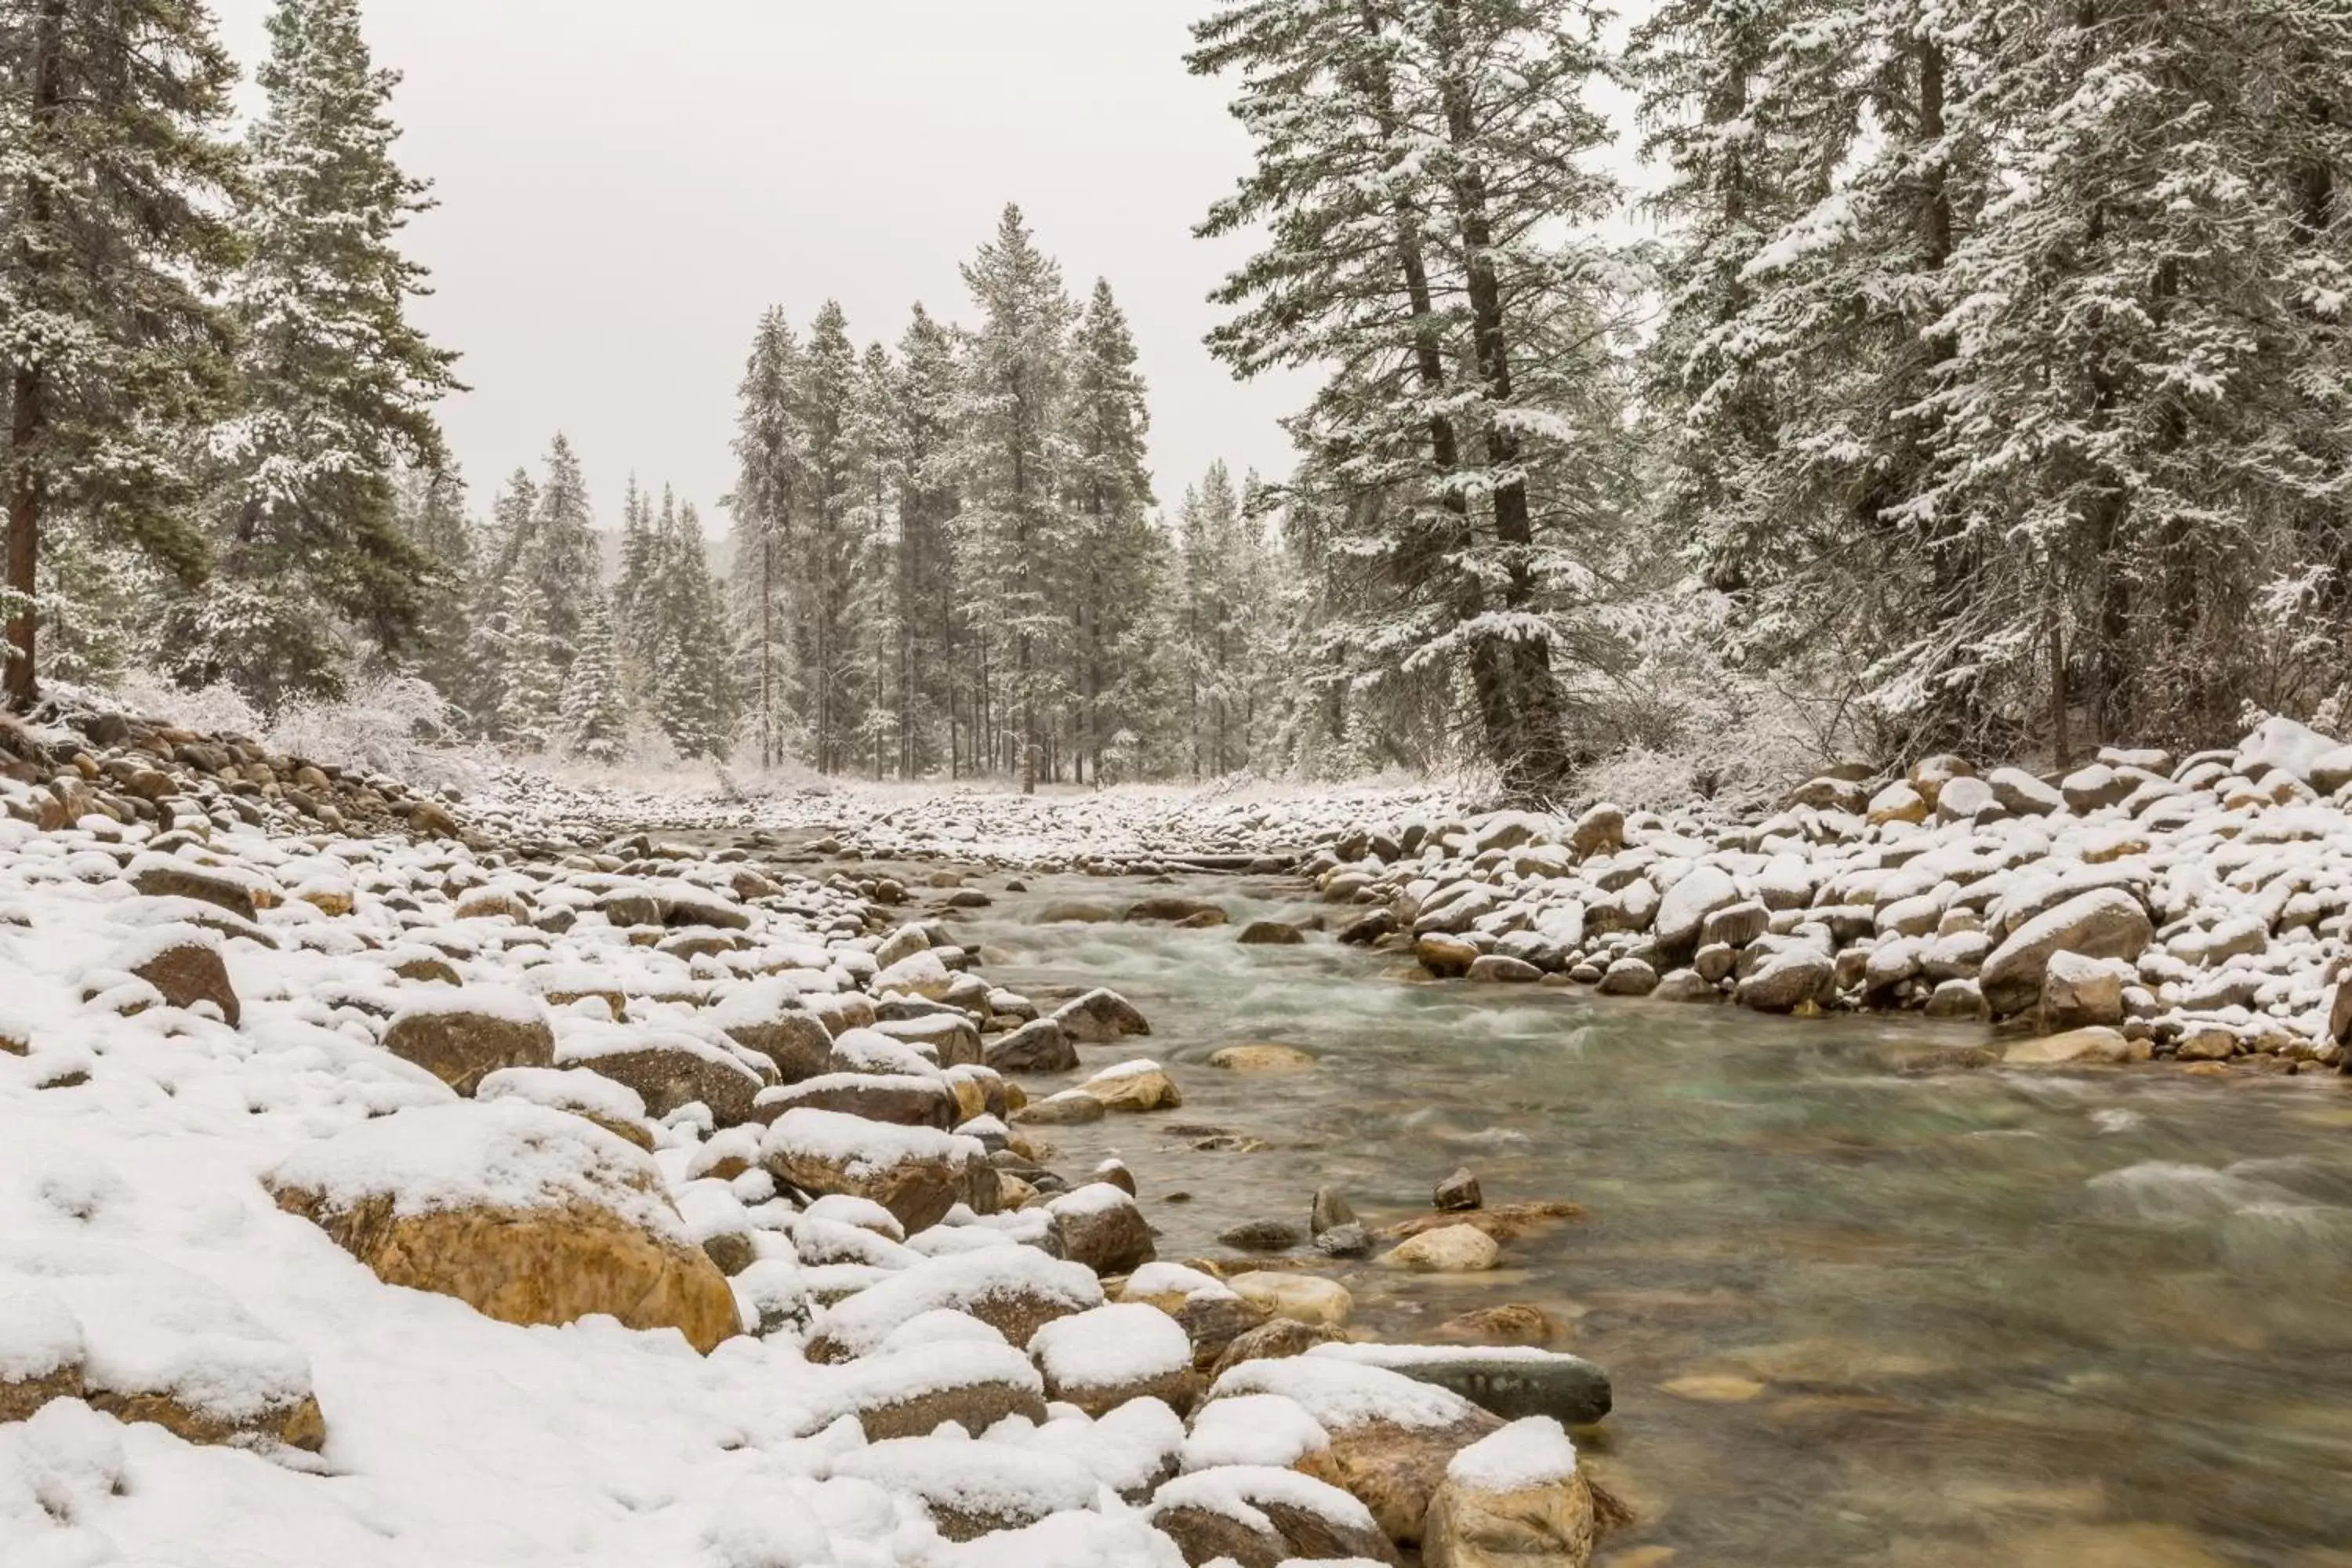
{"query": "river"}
(1853, 1314)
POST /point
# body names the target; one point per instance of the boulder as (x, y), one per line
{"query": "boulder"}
(919, 974)
(1099, 1226)
(901, 1100)
(2078, 990)
(668, 1068)
(2090, 1045)
(1099, 1018)
(1786, 981)
(1446, 956)
(1515, 1498)
(916, 1173)
(1600, 831)
(1282, 1337)
(1501, 968)
(525, 1213)
(1684, 908)
(913, 1391)
(1271, 934)
(1510, 1382)
(1100, 1359)
(1392, 1437)
(143, 1341)
(183, 962)
(1262, 1516)
(168, 877)
(1457, 1192)
(1138, 1086)
(1628, 976)
(2106, 922)
(1303, 1298)
(1015, 1291)
(1449, 1249)
(972, 1489)
(466, 1035)
(1257, 1059)
(1039, 1046)
(2020, 794)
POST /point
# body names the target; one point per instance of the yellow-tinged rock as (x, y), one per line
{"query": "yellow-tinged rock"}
(1302, 1298)
(1448, 1249)
(1259, 1059)
(527, 1214)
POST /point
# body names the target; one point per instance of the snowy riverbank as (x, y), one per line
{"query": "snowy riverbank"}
(415, 1198)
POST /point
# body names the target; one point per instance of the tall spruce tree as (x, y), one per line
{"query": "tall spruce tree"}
(771, 460)
(432, 513)
(694, 689)
(114, 191)
(831, 539)
(337, 385)
(1424, 180)
(1012, 458)
(1111, 494)
(917, 452)
(596, 716)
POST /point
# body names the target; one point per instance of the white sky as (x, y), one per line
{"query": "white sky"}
(625, 186)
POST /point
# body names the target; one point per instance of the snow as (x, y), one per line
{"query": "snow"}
(859, 1145)
(1341, 1395)
(1528, 1453)
(561, 1088)
(1252, 1429)
(958, 1281)
(865, 1212)
(989, 1479)
(1110, 1347)
(1236, 1490)
(1161, 1278)
(38, 1334)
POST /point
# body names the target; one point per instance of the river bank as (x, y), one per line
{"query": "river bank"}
(313, 1122)
(460, 1193)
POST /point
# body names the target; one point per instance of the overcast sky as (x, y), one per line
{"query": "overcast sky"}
(624, 186)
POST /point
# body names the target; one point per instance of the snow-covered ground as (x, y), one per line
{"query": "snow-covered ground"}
(398, 1200)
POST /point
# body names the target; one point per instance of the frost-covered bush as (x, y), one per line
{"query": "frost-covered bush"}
(395, 724)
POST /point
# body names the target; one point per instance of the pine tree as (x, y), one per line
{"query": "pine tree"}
(432, 513)
(530, 695)
(338, 387)
(1421, 175)
(769, 463)
(566, 563)
(917, 452)
(830, 544)
(496, 587)
(596, 719)
(693, 680)
(112, 236)
(1111, 494)
(1011, 454)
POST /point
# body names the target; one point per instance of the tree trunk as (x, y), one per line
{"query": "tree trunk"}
(1530, 750)
(28, 423)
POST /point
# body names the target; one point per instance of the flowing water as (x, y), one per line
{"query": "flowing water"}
(1853, 1315)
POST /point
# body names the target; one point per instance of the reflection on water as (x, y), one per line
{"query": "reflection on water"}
(1855, 1315)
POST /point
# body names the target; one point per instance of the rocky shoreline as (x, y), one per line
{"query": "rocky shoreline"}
(739, 1099)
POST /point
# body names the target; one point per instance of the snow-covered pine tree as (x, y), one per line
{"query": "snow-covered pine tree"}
(830, 543)
(874, 602)
(595, 717)
(924, 582)
(337, 386)
(565, 564)
(534, 664)
(2144, 413)
(694, 689)
(1422, 180)
(113, 232)
(1111, 494)
(770, 461)
(1011, 454)
(497, 572)
(432, 513)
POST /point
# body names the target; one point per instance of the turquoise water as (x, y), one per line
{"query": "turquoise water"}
(1854, 1314)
